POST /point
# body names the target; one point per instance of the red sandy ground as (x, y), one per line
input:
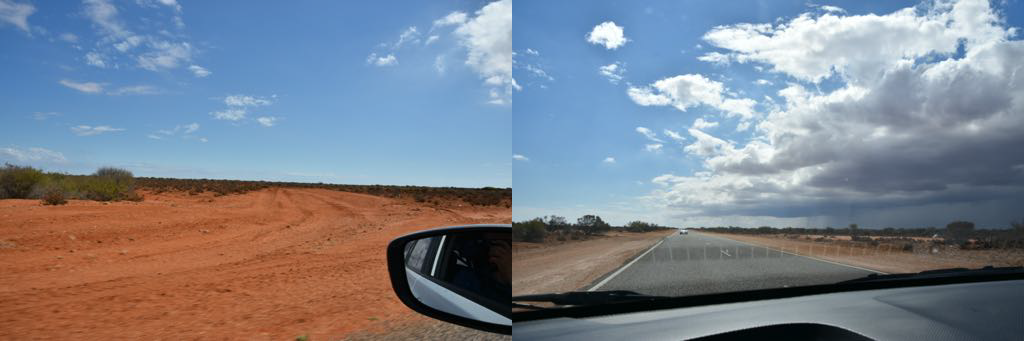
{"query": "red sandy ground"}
(272, 264)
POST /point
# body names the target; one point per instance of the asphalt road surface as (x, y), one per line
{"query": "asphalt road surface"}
(695, 263)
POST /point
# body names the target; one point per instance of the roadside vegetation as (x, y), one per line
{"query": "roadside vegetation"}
(539, 230)
(960, 234)
(106, 184)
(113, 184)
(486, 196)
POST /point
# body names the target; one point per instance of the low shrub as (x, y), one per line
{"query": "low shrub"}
(133, 196)
(530, 231)
(561, 236)
(18, 182)
(54, 196)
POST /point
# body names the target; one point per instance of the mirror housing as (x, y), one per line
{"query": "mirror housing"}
(447, 279)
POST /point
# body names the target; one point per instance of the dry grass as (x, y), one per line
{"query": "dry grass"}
(886, 256)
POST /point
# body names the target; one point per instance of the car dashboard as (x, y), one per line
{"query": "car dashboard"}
(968, 311)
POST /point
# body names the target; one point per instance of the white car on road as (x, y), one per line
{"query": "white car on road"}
(683, 231)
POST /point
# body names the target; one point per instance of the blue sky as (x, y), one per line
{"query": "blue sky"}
(343, 92)
(783, 113)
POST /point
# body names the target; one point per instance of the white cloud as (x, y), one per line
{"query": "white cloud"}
(199, 71)
(609, 160)
(40, 116)
(743, 126)
(538, 72)
(532, 52)
(16, 14)
(69, 37)
(267, 121)
(117, 43)
(833, 9)
(488, 40)
(519, 157)
(674, 135)
(95, 59)
(706, 145)
(409, 35)
(607, 34)
(650, 135)
(860, 47)
(246, 101)
(896, 131)
(763, 82)
(382, 60)
(87, 87)
(439, 64)
(686, 91)
(32, 154)
(453, 18)
(191, 128)
(613, 72)
(700, 123)
(173, 4)
(431, 39)
(185, 130)
(128, 43)
(104, 15)
(135, 90)
(165, 55)
(229, 114)
(647, 97)
(716, 58)
(653, 147)
(85, 130)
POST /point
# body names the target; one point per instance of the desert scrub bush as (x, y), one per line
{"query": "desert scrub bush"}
(18, 182)
(54, 196)
(108, 184)
(529, 231)
(561, 236)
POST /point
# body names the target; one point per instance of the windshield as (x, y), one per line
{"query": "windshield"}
(677, 148)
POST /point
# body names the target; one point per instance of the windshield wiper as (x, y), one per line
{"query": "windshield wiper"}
(575, 298)
(939, 273)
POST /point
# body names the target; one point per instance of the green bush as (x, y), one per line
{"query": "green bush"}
(54, 196)
(108, 184)
(529, 231)
(18, 182)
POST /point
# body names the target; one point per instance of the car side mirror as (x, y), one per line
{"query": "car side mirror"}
(460, 275)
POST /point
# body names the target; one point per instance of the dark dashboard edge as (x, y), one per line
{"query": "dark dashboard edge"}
(747, 296)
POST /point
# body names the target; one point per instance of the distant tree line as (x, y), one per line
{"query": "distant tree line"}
(486, 196)
(961, 233)
(537, 229)
(107, 184)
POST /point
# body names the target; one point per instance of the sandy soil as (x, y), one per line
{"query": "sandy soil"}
(882, 258)
(272, 264)
(542, 268)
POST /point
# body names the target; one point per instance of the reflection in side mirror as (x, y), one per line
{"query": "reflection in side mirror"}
(460, 274)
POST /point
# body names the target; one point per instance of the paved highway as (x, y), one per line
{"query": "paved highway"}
(696, 263)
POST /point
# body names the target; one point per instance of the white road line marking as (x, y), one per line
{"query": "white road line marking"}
(814, 258)
(726, 253)
(617, 272)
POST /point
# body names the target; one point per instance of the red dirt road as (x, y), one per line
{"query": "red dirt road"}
(272, 264)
